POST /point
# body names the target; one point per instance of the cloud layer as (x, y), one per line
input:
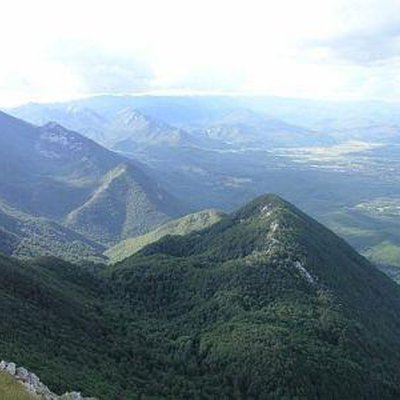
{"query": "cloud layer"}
(310, 48)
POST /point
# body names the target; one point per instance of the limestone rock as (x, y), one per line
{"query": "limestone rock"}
(34, 385)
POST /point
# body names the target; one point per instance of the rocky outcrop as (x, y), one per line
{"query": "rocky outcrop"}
(33, 384)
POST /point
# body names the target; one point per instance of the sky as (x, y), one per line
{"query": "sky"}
(55, 50)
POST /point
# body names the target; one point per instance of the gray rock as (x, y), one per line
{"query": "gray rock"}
(34, 385)
(11, 368)
(22, 373)
(71, 396)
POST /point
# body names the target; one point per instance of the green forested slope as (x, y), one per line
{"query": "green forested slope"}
(265, 304)
(181, 226)
(26, 236)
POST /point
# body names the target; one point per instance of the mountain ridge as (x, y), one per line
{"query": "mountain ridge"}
(119, 188)
(184, 225)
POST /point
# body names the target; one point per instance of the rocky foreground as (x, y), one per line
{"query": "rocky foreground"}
(33, 384)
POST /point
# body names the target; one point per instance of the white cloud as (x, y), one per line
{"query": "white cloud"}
(316, 48)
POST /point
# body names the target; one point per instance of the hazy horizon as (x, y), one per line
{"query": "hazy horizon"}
(330, 49)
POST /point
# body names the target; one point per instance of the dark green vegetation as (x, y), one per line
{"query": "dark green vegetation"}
(264, 304)
(63, 194)
(181, 226)
(25, 236)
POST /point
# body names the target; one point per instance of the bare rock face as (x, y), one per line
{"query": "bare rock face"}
(33, 384)
(9, 367)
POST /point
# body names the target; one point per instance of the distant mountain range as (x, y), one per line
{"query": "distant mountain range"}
(264, 304)
(59, 185)
(317, 115)
(244, 127)
(124, 128)
(120, 130)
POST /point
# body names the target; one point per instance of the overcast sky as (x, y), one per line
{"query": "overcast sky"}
(61, 49)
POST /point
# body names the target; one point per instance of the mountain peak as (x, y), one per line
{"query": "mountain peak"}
(269, 199)
(130, 115)
(263, 206)
(267, 226)
(54, 126)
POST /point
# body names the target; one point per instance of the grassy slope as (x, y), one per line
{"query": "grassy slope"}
(11, 389)
(182, 226)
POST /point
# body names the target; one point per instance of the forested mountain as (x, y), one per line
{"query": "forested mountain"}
(266, 303)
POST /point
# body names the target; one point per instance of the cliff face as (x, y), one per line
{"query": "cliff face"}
(33, 385)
